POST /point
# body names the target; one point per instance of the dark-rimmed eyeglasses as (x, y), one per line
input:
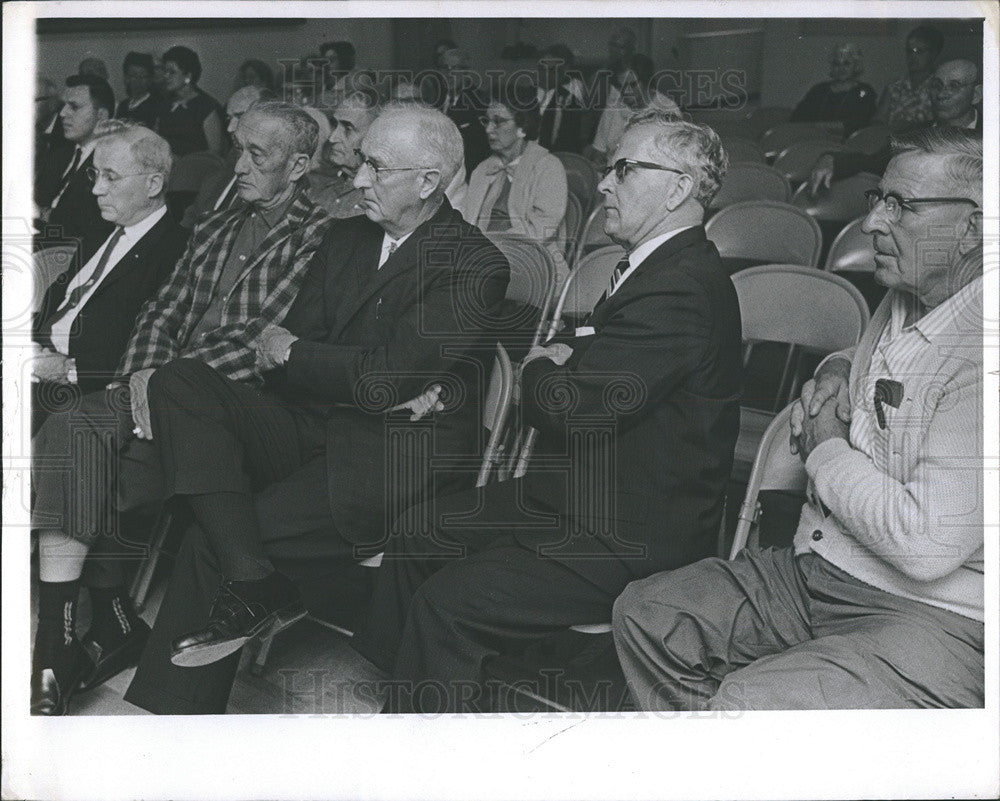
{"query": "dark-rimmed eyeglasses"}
(496, 121)
(621, 168)
(378, 169)
(936, 85)
(894, 204)
(112, 178)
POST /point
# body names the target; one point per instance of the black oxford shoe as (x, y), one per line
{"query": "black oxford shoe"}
(112, 662)
(49, 695)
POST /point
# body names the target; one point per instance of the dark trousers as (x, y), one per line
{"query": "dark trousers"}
(445, 602)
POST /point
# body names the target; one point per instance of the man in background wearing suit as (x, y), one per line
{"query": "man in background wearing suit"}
(240, 273)
(464, 106)
(49, 139)
(85, 320)
(397, 301)
(565, 125)
(638, 414)
(71, 208)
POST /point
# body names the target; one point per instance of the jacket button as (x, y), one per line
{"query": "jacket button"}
(817, 535)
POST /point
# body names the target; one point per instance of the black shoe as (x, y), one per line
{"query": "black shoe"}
(51, 695)
(240, 613)
(111, 663)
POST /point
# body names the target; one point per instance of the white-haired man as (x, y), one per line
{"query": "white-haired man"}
(397, 301)
(879, 603)
(240, 273)
(642, 406)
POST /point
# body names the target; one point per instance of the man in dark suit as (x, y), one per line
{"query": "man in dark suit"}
(398, 301)
(638, 414)
(71, 210)
(50, 142)
(85, 319)
(565, 126)
(464, 106)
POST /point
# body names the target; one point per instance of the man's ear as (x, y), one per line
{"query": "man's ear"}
(429, 182)
(970, 234)
(102, 114)
(300, 165)
(977, 95)
(155, 184)
(682, 189)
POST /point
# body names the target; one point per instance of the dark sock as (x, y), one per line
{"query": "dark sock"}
(56, 645)
(230, 525)
(113, 617)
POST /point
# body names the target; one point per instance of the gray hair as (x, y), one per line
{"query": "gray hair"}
(695, 148)
(962, 149)
(303, 129)
(435, 133)
(150, 151)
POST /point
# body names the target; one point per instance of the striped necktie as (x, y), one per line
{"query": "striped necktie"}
(82, 289)
(616, 276)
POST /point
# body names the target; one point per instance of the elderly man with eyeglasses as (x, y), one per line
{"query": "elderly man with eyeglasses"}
(879, 601)
(638, 412)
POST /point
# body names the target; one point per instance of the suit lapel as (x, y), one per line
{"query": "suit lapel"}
(133, 258)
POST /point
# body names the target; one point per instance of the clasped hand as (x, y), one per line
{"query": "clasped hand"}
(824, 410)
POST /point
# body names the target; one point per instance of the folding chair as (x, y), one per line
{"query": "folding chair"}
(776, 139)
(191, 170)
(843, 201)
(765, 231)
(47, 265)
(581, 178)
(573, 222)
(495, 414)
(592, 234)
(765, 118)
(852, 255)
(869, 140)
(751, 181)
(796, 161)
(532, 284)
(740, 149)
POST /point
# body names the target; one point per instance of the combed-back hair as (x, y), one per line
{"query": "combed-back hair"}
(101, 94)
(692, 147)
(150, 150)
(303, 129)
(436, 134)
(134, 59)
(962, 148)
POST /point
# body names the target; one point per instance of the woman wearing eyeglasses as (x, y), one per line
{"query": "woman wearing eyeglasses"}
(521, 187)
(843, 98)
(906, 102)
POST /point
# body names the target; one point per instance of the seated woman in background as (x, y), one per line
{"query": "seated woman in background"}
(254, 72)
(843, 98)
(906, 102)
(140, 104)
(633, 91)
(191, 120)
(521, 187)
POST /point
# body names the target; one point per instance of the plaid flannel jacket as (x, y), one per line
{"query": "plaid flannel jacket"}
(262, 295)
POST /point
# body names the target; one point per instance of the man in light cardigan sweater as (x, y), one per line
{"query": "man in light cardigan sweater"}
(879, 602)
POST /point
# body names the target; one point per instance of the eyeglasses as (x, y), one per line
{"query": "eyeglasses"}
(894, 204)
(621, 168)
(936, 85)
(496, 121)
(112, 178)
(378, 169)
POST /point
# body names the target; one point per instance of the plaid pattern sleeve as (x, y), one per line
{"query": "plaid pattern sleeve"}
(263, 294)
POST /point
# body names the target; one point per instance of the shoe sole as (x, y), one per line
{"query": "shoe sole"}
(207, 654)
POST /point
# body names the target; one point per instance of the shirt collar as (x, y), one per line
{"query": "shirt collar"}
(639, 254)
(86, 150)
(966, 304)
(138, 101)
(133, 233)
(272, 217)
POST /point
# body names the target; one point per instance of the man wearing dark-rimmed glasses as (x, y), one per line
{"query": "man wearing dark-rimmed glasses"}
(879, 602)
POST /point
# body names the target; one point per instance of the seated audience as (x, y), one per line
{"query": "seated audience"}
(71, 209)
(93, 66)
(564, 125)
(906, 102)
(139, 104)
(461, 101)
(341, 58)
(190, 119)
(879, 602)
(956, 90)
(323, 124)
(317, 439)
(334, 189)
(254, 72)
(636, 93)
(85, 320)
(50, 142)
(658, 370)
(241, 272)
(521, 188)
(843, 98)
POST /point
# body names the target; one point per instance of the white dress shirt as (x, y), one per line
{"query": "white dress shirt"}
(85, 151)
(639, 255)
(389, 245)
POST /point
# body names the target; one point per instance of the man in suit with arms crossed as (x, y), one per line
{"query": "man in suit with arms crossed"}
(655, 379)
(397, 301)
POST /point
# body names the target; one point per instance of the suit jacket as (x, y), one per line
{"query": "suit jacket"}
(262, 295)
(573, 133)
(371, 339)
(52, 153)
(77, 214)
(641, 420)
(208, 195)
(102, 328)
(465, 114)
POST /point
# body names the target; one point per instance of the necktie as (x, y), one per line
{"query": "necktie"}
(616, 276)
(68, 175)
(77, 294)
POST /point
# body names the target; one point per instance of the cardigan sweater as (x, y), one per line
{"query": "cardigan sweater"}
(905, 500)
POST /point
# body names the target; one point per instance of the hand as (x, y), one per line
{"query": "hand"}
(138, 389)
(558, 352)
(821, 427)
(422, 405)
(831, 382)
(822, 174)
(273, 347)
(48, 365)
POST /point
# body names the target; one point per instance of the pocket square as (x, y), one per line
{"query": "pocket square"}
(585, 331)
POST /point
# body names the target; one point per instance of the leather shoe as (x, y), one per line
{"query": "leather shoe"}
(111, 663)
(49, 695)
(241, 611)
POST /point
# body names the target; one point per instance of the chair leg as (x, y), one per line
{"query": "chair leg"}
(263, 652)
(144, 577)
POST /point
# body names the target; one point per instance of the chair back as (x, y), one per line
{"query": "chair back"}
(751, 181)
(587, 281)
(581, 177)
(776, 139)
(775, 467)
(496, 410)
(532, 281)
(765, 118)
(191, 170)
(592, 233)
(49, 263)
(844, 200)
(796, 161)
(872, 139)
(740, 149)
(766, 231)
(573, 222)
(852, 250)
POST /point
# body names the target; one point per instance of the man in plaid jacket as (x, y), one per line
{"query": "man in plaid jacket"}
(240, 274)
